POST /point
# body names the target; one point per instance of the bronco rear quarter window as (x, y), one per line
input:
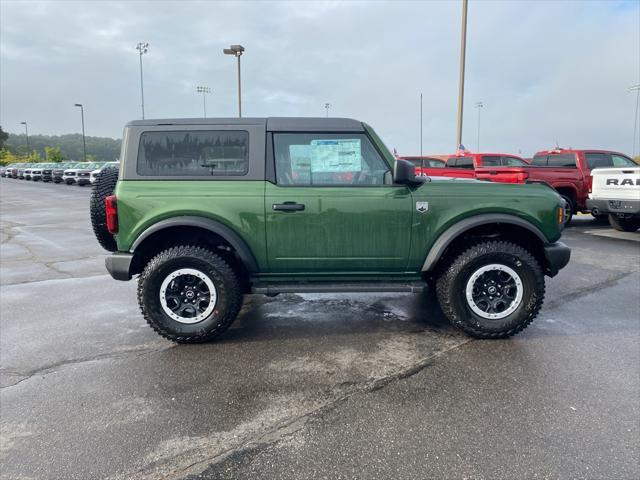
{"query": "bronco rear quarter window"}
(193, 153)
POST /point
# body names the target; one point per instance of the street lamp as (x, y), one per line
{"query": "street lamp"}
(84, 143)
(236, 50)
(635, 88)
(26, 132)
(463, 49)
(327, 106)
(479, 105)
(142, 47)
(203, 91)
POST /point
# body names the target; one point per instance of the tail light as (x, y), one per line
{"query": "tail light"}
(111, 209)
(589, 183)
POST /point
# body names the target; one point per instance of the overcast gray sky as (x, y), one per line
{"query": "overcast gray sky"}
(545, 70)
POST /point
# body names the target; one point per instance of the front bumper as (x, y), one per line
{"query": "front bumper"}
(83, 181)
(599, 206)
(118, 265)
(557, 255)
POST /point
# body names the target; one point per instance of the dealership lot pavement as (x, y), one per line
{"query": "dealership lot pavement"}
(306, 386)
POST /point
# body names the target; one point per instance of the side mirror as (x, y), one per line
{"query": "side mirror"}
(405, 174)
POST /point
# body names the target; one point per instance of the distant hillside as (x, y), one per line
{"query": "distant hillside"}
(100, 148)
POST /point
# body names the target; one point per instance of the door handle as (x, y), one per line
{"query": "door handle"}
(288, 206)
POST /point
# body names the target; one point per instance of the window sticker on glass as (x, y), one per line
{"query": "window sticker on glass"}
(327, 156)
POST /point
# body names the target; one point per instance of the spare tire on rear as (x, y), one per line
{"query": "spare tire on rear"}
(102, 188)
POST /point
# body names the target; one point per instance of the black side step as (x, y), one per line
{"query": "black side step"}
(275, 288)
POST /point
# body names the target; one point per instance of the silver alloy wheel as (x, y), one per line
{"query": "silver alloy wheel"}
(188, 295)
(567, 210)
(494, 291)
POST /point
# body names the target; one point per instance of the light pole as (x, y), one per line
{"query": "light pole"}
(236, 50)
(26, 132)
(635, 88)
(327, 106)
(421, 159)
(142, 47)
(84, 143)
(204, 91)
(479, 105)
(463, 48)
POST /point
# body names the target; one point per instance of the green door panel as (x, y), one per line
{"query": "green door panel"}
(341, 229)
(238, 205)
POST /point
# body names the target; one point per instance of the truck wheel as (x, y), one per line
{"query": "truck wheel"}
(492, 290)
(189, 294)
(624, 224)
(103, 187)
(568, 209)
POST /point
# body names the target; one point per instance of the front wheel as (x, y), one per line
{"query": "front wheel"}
(624, 224)
(492, 290)
(188, 294)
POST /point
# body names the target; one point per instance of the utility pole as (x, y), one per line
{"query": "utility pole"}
(236, 50)
(479, 105)
(204, 91)
(84, 143)
(635, 88)
(327, 106)
(421, 157)
(26, 132)
(463, 48)
(142, 47)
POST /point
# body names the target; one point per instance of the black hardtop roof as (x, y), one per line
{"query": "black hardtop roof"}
(272, 124)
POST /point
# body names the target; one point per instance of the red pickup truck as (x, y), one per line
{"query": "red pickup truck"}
(568, 171)
(463, 164)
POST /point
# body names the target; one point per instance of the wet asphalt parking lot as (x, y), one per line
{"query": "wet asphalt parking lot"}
(306, 386)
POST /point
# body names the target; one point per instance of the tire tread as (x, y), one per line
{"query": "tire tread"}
(444, 286)
(233, 292)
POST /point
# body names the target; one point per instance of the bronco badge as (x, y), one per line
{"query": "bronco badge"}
(422, 207)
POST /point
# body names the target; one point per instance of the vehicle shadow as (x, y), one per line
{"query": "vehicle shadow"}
(312, 316)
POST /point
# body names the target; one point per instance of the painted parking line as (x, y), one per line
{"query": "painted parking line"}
(611, 233)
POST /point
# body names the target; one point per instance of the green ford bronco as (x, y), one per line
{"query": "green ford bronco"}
(207, 210)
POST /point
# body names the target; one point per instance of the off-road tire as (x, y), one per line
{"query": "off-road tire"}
(451, 286)
(102, 188)
(225, 280)
(623, 224)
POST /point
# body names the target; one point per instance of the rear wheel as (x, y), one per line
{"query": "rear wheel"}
(492, 290)
(624, 224)
(568, 209)
(188, 294)
(103, 187)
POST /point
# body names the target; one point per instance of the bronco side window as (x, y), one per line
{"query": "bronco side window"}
(193, 153)
(327, 159)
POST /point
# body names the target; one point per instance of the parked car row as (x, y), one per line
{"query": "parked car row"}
(80, 173)
(568, 171)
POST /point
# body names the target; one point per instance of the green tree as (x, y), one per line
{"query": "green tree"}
(53, 154)
(3, 137)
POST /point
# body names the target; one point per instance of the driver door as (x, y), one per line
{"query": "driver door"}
(333, 207)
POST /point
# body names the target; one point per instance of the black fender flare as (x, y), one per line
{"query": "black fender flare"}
(231, 237)
(450, 234)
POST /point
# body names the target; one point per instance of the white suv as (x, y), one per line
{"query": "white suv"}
(94, 173)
